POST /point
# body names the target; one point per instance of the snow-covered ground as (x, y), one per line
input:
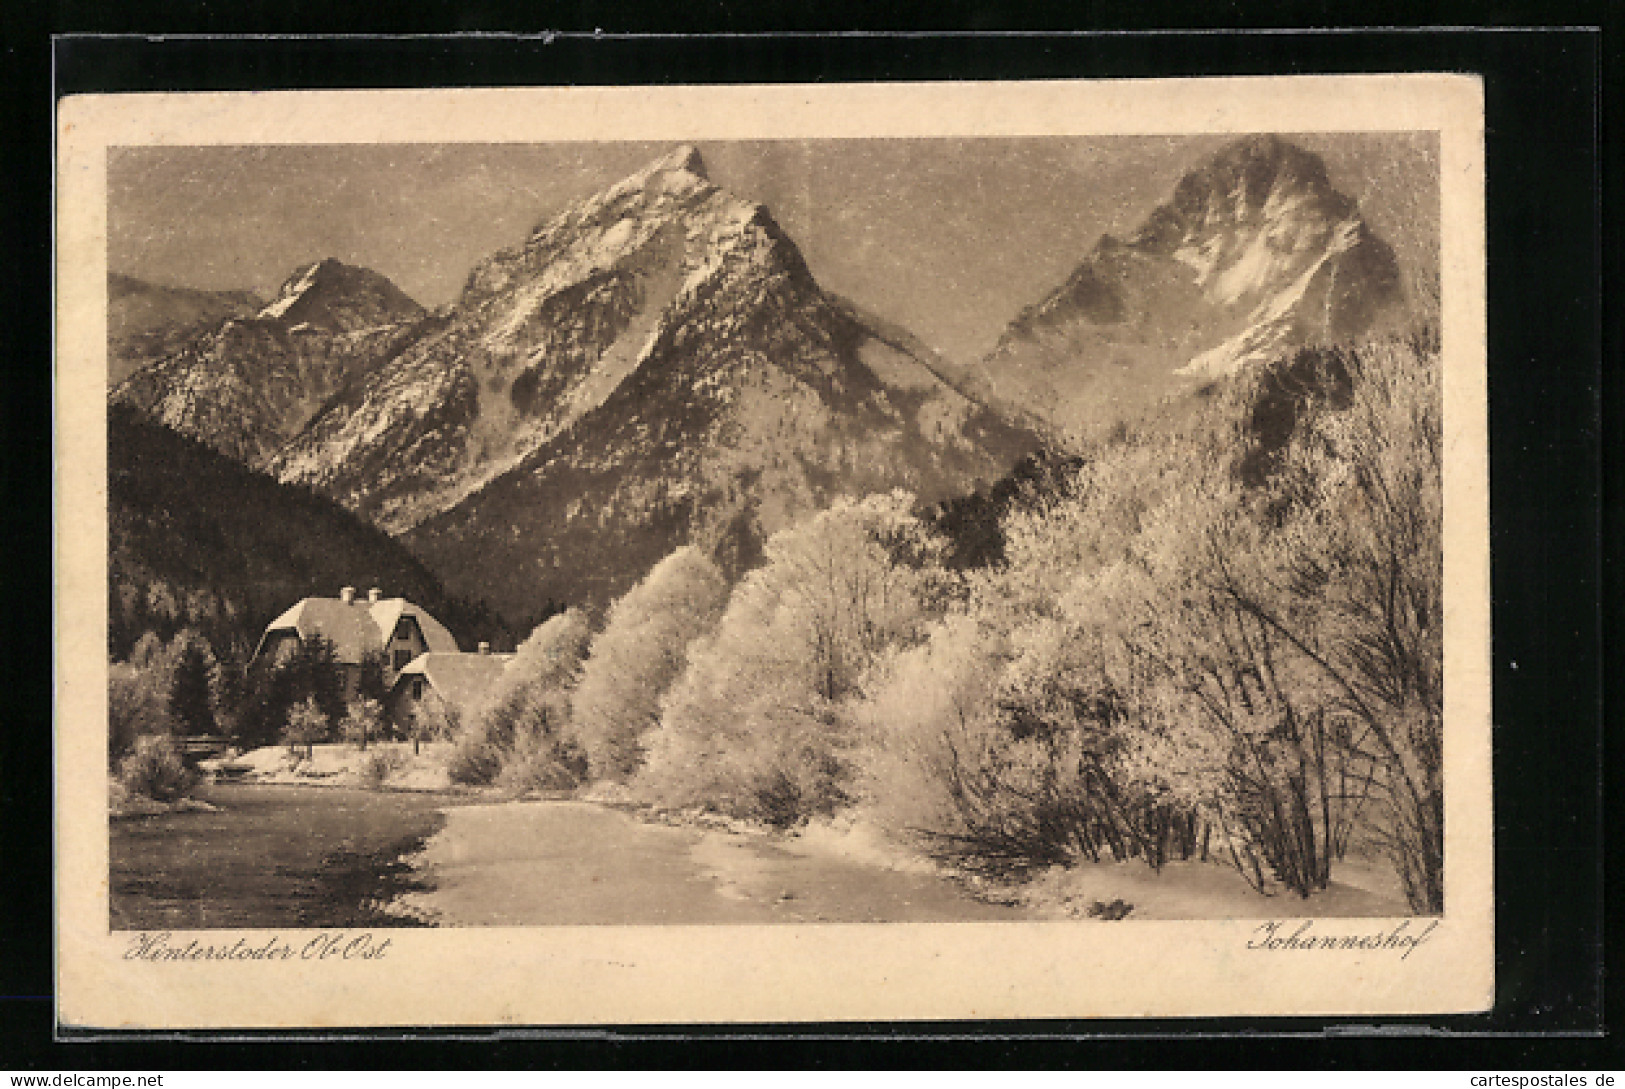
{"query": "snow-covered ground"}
(342, 765)
(1208, 890)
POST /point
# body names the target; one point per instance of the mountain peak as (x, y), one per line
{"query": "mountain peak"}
(1244, 176)
(331, 294)
(1255, 252)
(1265, 147)
(300, 283)
(684, 158)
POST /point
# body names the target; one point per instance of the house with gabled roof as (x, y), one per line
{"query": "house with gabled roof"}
(393, 628)
(448, 682)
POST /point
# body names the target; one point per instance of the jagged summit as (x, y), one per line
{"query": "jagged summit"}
(1255, 165)
(253, 381)
(1254, 252)
(329, 294)
(1252, 180)
(685, 158)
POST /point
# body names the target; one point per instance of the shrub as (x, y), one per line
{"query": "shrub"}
(378, 765)
(1008, 754)
(542, 756)
(153, 767)
(136, 707)
(474, 760)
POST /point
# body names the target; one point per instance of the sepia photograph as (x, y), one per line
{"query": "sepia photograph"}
(802, 536)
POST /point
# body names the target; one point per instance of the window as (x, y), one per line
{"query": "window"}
(417, 688)
(402, 657)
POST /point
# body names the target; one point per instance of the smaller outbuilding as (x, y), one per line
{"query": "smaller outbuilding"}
(445, 682)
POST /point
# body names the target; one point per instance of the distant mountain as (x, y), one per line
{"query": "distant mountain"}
(653, 365)
(1255, 254)
(198, 539)
(146, 322)
(338, 298)
(252, 383)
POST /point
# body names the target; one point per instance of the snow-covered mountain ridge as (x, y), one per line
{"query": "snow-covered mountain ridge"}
(250, 384)
(1254, 253)
(652, 365)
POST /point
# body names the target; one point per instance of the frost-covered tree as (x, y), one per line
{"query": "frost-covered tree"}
(752, 726)
(1344, 575)
(431, 720)
(1219, 634)
(363, 721)
(137, 706)
(928, 716)
(306, 724)
(528, 711)
(638, 654)
(1272, 629)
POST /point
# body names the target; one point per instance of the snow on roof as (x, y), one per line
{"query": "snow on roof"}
(388, 612)
(461, 679)
(359, 627)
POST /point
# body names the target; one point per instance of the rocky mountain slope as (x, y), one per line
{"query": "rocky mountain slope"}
(654, 364)
(251, 384)
(146, 322)
(1254, 254)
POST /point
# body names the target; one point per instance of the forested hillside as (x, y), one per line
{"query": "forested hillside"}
(196, 539)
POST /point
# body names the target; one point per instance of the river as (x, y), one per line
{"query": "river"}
(550, 863)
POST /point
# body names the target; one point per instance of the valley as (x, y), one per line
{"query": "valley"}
(645, 523)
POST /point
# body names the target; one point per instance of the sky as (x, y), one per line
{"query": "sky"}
(950, 238)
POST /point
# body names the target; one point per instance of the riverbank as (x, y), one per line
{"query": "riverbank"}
(327, 855)
(271, 855)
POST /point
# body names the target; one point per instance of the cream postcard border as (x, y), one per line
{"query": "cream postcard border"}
(584, 975)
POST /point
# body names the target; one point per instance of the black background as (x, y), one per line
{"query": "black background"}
(1552, 446)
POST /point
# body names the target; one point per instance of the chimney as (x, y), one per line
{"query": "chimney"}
(485, 648)
(373, 595)
(347, 595)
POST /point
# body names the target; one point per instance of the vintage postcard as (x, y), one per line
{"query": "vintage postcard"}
(774, 553)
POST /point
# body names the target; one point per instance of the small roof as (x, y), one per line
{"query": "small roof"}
(461, 679)
(388, 612)
(357, 628)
